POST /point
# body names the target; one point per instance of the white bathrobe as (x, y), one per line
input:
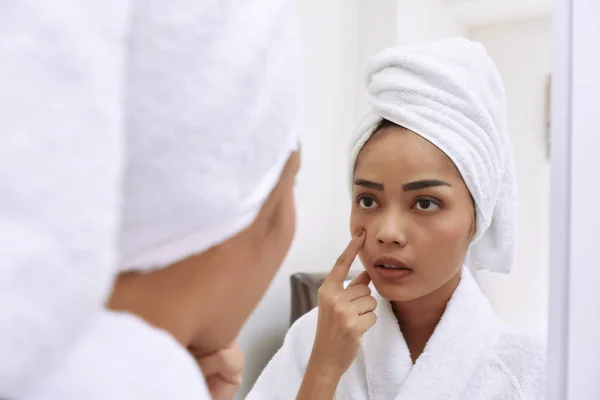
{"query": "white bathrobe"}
(121, 357)
(471, 355)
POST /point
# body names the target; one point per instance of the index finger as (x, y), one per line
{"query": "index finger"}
(340, 269)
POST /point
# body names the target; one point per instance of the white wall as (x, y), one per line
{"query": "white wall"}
(425, 20)
(582, 329)
(485, 13)
(522, 53)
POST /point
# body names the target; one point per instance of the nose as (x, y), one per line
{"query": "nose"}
(391, 230)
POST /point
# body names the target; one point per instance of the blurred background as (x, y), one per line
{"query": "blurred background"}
(338, 37)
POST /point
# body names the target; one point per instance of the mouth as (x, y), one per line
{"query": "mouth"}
(391, 268)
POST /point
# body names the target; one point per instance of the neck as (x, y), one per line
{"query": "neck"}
(418, 318)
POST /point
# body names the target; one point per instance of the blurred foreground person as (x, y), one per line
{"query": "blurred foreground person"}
(148, 156)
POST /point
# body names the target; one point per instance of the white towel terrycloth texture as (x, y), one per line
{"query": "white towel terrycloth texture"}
(450, 93)
(471, 355)
(204, 91)
(200, 168)
(61, 71)
(134, 361)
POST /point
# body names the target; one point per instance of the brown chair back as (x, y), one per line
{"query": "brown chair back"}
(305, 287)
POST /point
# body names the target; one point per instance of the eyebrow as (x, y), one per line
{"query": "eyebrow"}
(368, 184)
(417, 185)
(427, 183)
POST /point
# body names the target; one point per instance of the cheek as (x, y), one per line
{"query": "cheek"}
(362, 256)
(290, 221)
(255, 269)
(451, 232)
(282, 235)
(359, 220)
(355, 221)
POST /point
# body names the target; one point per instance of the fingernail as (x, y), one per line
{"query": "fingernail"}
(361, 232)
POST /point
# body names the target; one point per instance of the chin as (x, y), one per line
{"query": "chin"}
(395, 292)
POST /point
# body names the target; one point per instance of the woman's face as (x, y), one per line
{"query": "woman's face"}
(416, 211)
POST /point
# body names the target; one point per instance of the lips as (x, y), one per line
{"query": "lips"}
(388, 262)
(391, 269)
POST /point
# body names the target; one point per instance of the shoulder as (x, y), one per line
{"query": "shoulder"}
(306, 322)
(523, 356)
(300, 337)
(283, 374)
(518, 348)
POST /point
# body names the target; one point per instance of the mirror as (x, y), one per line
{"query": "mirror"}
(338, 38)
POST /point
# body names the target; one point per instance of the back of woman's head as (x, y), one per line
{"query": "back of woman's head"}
(211, 157)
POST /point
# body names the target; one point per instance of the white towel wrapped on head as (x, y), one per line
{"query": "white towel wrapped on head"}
(450, 93)
(210, 124)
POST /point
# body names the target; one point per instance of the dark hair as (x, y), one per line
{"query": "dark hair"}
(381, 125)
(384, 123)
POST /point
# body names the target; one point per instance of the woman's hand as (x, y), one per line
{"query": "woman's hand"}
(223, 371)
(344, 316)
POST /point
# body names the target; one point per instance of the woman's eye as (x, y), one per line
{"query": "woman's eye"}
(426, 205)
(367, 203)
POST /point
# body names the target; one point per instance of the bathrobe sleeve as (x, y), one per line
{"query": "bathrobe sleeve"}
(282, 377)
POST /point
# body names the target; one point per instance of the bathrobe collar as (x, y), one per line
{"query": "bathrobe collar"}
(451, 355)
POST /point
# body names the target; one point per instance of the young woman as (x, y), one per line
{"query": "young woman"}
(432, 186)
